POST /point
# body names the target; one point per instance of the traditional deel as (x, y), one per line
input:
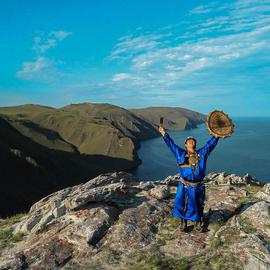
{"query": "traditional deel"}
(190, 195)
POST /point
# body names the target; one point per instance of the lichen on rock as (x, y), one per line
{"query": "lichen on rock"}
(117, 221)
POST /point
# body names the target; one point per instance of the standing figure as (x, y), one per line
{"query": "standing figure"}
(190, 195)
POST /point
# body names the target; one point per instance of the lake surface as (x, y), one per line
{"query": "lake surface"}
(246, 151)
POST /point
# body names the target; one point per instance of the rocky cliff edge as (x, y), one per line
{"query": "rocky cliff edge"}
(115, 221)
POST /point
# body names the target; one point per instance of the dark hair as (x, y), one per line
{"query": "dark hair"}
(190, 138)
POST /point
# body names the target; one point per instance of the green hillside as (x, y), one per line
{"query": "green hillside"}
(175, 118)
(44, 148)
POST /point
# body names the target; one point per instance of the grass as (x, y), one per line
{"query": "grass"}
(224, 260)
(92, 128)
(252, 188)
(6, 232)
(217, 256)
(230, 236)
(153, 259)
(214, 256)
(12, 219)
(244, 200)
(7, 237)
(216, 225)
(215, 242)
(172, 222)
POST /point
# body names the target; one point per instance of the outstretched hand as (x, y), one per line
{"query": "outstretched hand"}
(161, 130)
(161, 126)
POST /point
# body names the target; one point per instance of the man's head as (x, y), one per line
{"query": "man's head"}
(190, 143)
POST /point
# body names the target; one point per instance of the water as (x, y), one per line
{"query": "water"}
(246, 151)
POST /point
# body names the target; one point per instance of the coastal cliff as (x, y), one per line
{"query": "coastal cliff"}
(117, 221)
(53, 148)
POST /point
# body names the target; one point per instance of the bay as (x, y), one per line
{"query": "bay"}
(246, 151)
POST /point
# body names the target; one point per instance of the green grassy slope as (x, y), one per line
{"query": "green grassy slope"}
(29, 171)
(102, 129)
(175, 118)
(44, 148)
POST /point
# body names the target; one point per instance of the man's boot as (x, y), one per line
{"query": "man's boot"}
(198, 226)
(183, 225)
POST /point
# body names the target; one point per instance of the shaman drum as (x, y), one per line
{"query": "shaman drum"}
(219, 124)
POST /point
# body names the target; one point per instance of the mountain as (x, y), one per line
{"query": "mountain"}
(45, 148)
(30, 170)
(117, 221)
(175, 118)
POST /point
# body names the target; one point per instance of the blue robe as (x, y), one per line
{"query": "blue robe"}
(195, 196)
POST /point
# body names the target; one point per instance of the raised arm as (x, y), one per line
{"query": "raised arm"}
(209, 146)
(175, 149)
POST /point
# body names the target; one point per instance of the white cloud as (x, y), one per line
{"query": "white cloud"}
(217, 36)
(42, 68)
(129, 45)
(215, 6)
(44, 42)
(200, 10)
(120, 77)
(60, 35)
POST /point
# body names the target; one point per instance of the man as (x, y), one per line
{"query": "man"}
(190, 195)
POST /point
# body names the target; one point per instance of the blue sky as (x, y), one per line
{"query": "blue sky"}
(201, 55)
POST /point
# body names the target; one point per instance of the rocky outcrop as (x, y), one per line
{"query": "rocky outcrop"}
(116, 221)
(265, 193)
(226, 178)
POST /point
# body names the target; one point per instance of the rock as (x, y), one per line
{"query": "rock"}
(264, 194)
(111, 188)
(258, 215)
(254, 252)
(59, 211)
(10, 263)
(225, 179)
(87, 194)
(136, 228)
(171, 180)
(266, 188)
(89, 225)
(222, 202)
(146, 185)
(114, 218)
(160, 192)
(185, 245)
